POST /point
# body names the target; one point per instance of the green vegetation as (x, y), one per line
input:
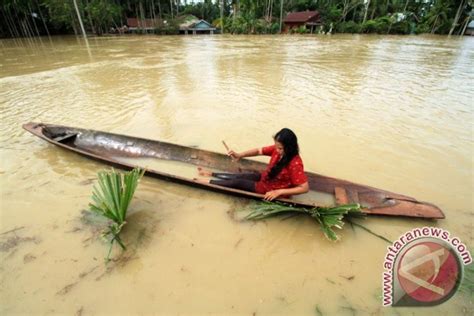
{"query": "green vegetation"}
(467, 285)
(328, 217)
(112, 198)
(24, 18)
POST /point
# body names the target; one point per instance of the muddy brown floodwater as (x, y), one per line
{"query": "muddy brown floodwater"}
(387, 111)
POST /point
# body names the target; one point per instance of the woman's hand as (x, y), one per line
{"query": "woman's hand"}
(271, 195)
(232, 154)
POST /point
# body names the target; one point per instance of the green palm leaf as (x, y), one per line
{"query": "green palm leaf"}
(328, 217)
(111, 199)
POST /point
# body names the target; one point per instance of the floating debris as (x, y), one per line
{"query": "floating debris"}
(330, 281)
(80, 311)
(238, 243)
(318, 310)
(87, 181)
(349, 278)
(28, 258)
(12, 230)
(14, 241)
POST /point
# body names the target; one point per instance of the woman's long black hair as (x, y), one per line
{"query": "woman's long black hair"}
(290, 146)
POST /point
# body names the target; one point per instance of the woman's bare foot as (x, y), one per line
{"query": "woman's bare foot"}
(204, 172)
(203, 181)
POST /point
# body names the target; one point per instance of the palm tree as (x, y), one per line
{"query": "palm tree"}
(462, 4)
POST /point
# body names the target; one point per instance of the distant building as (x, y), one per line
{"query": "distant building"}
(470, 29)
(308, 19)
(135, 24)
(197, 27)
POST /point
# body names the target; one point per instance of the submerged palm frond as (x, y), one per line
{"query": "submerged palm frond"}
(112, 197)
(327, 217)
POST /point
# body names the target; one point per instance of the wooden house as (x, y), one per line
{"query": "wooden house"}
(135, 24)
(197, 27)
(308, 19)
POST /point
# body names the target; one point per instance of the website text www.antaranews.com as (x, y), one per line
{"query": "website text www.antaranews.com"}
(414, 234)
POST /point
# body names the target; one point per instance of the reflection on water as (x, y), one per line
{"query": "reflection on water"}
(387, 111)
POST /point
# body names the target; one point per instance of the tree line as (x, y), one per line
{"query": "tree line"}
(26, 18)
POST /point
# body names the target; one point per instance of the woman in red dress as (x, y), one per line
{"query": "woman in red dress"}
(284, 175)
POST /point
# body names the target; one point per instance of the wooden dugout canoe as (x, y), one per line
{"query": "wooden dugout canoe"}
(107, 147)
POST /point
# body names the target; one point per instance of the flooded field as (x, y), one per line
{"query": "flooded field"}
(387, 111)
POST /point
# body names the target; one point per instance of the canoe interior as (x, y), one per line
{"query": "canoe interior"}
(177, 162)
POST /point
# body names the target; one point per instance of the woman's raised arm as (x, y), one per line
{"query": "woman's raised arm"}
(248, 153)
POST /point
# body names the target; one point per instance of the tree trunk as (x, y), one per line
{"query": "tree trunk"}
(344, 11)
(373, 10)
(271, 11)
(34, 22)
(80, 19)
(456, 19)
(406, 6)
(281, 15)
(142, 17)
(171, 8)
(17, 19)
(234, 10)
(73, 23)
(22, 24)
(434, 24)
(42, 19)
(14, 27)
(468, 19)
(28, 24)
(159, 9)
(153, 13)
(8, 24)
(222, 16)
(366, 10)
(90, 19)
(265, 16)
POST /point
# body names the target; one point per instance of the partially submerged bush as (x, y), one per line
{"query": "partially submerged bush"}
(302, 30)
(379, 25)
(171, 27)
(348, 27)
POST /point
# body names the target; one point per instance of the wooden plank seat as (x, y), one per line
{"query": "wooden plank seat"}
(341, 195)
(344, 196)
(64, 138)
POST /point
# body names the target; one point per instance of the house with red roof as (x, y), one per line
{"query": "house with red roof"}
(135, 24)
(309, 19)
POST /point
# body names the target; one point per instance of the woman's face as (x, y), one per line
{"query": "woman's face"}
(279, 148)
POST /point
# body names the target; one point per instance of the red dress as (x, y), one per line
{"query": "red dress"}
(290, 176)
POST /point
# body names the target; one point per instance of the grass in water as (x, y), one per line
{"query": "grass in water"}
(111, 199)
(328, 217)
(467, 285)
